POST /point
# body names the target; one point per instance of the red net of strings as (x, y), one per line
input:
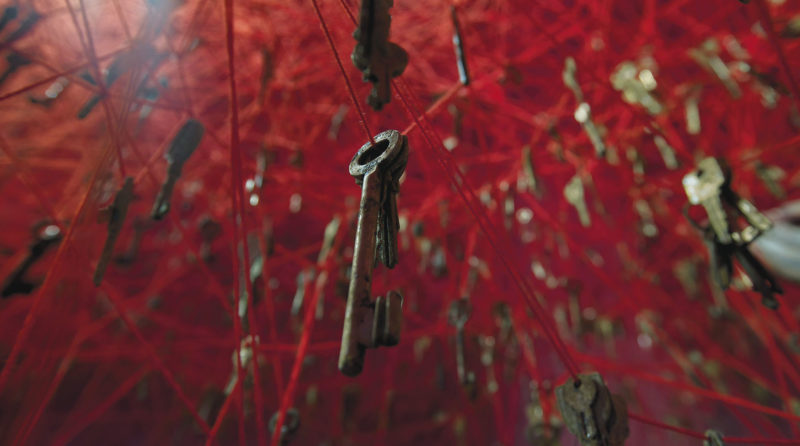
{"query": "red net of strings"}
(541, 226)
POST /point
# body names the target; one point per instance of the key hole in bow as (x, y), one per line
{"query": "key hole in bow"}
(373, 152)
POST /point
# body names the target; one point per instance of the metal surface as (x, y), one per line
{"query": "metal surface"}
(377, 168)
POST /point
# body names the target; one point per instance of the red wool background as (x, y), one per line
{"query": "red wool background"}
(145, 358)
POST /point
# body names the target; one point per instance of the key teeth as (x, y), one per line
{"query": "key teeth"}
(379, 322)
(388, 320)
(394, 319)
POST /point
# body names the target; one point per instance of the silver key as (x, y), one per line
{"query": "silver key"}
(704, 187)
(713, 438)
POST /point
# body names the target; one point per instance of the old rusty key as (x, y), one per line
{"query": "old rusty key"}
(591, 412)
(374, 55)
(377, 168)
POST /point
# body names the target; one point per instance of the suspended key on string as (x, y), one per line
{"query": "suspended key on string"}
(377, 169)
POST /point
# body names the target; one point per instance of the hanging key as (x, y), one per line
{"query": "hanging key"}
(704, 187)
(14, 61)
(573, 193)
(181, 148)
(47, 236)
(140, 225)
(377, 169)
(291, 423)
(458, 44)
(377, 58)
(116, 218)
(487, 359)
(138, 57)
(9, 14)
(24, 28)
(710, 187)
(388, 320)
(570, 78)
(591, 413)
(458, 316)
(713, 438)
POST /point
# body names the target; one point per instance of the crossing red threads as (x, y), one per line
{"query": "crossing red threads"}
(80, 375)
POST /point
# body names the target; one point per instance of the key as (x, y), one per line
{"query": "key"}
(304, 278)
(181, 148)
(15, 61)
(583, 114)
(24, 28)
(713, 438)
(792, 29)
(9, 14)
(136, 58)
(704, 187)
(487, 359)
(710, 187)
(534, 187)
(388, 320)
(373, 166)
(569, 76)
(118, 211)
(648, 224)
(707, 56)
(458, 44)
(378, 59)
(636, 86)
(51, 94)
(291, 423)
(129, 256)
(389, 223)
(14, 282)
(591, 413)
(573, 193)
(693, 124)
(667, 152)
(458, 316)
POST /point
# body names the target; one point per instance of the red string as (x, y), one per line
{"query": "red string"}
(769, 27)
(691, 433)
(461, 184)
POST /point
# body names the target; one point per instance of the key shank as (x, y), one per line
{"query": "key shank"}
(358, 316)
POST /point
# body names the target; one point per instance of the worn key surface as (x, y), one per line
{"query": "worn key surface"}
(370, 166)
(377, 58)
